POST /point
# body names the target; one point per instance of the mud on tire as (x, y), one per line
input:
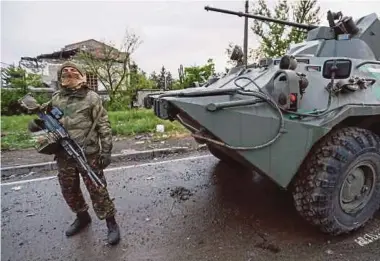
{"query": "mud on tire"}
(326, 178)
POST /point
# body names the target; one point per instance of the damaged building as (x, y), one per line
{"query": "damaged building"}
(47, 65)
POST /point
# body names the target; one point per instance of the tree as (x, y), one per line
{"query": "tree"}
(164, 80)
(111, 65)
(198, 74)
(169, 80)
(17, 77)
(275, 38)
(138, 82)
(154, 78)
(161, 84)
(180, 74)
(18, 80)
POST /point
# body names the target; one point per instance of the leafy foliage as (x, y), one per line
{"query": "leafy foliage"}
(16, 77)
(275, 38)
(164, 80)
(198, 74)
(18, 80)
(123, 123)
(111, 65)
(187, 76)
(124, 98)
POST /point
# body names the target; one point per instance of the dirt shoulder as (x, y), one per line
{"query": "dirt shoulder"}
(137, 143)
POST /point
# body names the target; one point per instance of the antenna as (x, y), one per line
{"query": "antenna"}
(246, 35)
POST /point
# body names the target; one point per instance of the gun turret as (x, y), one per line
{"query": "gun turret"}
(263, 18)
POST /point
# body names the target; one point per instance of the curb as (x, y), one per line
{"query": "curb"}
(128, 156)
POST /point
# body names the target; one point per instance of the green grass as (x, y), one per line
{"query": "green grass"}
(124, 123)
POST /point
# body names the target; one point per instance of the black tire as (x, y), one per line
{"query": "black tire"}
(317, 188)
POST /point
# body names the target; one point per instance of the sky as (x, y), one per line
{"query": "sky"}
(172, 32)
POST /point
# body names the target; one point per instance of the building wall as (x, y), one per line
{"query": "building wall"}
(141, 94)
(48, 69)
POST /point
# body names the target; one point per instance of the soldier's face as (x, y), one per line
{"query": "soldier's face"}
(71, 77)
(70, 72)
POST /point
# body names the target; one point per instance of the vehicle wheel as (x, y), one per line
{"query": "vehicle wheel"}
(338, 187)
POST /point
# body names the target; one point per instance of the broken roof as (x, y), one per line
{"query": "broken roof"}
(59, 54)
(72, 49)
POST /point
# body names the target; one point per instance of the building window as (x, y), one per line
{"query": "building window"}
(92, 81)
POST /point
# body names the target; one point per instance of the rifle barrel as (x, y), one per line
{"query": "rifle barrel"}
(259, 17)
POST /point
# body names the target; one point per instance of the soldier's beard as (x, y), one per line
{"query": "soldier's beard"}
(72, 80)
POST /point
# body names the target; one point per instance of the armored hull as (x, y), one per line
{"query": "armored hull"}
(310, 121)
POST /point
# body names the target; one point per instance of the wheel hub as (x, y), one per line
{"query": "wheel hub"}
(357, 188)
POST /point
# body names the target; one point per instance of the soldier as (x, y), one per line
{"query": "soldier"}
(81, 107)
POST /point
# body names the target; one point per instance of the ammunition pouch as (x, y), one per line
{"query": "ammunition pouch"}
(44, 142)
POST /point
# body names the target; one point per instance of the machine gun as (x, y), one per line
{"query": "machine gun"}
(263, 18)
(364, 32)
(50, 123)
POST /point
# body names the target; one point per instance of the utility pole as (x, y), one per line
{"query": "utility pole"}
(165, 87)
(246, 35)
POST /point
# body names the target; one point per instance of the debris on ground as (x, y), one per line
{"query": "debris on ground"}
(268, 246)
(181, 193)
(140, 142)
(16, 188)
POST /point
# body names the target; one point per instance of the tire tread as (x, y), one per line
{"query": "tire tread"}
(315, 182)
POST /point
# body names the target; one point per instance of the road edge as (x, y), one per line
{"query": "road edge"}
(17, 170)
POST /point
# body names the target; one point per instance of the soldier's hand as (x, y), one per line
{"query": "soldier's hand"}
(105, 160)
(29, 103)
(35, 125)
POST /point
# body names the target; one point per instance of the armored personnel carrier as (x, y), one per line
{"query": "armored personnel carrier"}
(310, 120)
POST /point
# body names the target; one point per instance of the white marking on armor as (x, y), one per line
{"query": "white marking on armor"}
(113, 169)
(374, 70)
(368, 238)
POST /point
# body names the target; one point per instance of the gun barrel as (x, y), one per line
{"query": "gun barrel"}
(259, 17)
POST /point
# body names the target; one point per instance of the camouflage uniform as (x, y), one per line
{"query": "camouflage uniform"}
(81, 106)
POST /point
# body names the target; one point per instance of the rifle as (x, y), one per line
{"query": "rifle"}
(51, 124)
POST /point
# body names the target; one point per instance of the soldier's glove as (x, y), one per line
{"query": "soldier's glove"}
(105, 160)
(29, 103)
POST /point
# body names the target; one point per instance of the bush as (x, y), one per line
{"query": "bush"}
(18, 80)
(120, 102)
(9, 101)
(123, 123)
(137, 121)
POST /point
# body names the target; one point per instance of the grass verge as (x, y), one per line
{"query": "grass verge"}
(15, 134)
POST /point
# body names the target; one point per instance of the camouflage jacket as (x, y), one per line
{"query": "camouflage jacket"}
(80, 109)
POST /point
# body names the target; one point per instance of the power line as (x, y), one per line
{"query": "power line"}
(6, 64)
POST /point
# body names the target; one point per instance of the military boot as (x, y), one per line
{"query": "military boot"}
(82, 220)
(113, 231)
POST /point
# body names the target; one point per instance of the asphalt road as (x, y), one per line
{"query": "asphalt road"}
(182, 209)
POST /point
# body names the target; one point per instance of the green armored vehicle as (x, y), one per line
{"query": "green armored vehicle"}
(310, 121)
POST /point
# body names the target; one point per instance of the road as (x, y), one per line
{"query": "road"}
(194, 208)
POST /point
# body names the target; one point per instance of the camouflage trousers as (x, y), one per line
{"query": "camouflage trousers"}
(69, 180)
